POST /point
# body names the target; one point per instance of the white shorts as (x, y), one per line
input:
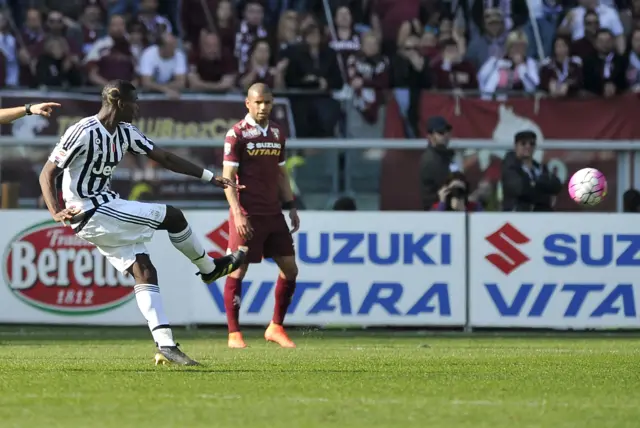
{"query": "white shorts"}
(120, 228)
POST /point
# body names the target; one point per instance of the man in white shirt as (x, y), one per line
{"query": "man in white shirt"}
(573, 23)
(163, 67)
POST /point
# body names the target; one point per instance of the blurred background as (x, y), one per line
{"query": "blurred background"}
(356, 82)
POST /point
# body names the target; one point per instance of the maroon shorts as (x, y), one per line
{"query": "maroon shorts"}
(271, 238)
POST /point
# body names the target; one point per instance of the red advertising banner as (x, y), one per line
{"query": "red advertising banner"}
(588, 119)
(194, 116)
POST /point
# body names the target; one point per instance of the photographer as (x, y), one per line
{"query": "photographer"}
(454, 195)
(526, 184)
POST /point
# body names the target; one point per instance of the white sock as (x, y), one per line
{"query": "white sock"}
(150, 304)
(191, 247)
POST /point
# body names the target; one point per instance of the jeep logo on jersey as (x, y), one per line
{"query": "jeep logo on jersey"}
(48, 267)
(103, 169)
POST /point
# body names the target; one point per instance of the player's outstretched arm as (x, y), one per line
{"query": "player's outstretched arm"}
(179, 165)
(8, 115)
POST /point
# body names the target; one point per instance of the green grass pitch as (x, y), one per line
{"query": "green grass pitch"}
(86, 378)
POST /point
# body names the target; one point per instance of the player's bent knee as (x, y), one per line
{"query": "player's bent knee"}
(240, 272)
(174, 221)
(290, 271)
(143, 270)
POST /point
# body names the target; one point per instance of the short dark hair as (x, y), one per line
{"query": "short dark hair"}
(116, 90)
(344, 203)
(604, 31)
(631, 201)
(525, 136)
(591, 12)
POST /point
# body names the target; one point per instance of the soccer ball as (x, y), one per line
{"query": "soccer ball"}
(588, 186)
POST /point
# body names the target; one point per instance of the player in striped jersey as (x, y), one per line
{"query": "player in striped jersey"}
(87, 155)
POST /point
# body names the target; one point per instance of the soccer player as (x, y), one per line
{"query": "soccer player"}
(8, 115)
(87, 155)
(254, 155)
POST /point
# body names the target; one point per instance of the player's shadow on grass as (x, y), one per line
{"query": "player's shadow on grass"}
(204, 369)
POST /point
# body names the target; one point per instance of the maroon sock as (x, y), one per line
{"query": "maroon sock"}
(284, 293)
(232, 293)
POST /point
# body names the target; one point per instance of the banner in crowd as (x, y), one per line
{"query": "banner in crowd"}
(562, 271)
(206, 117)
(363, 269)
(589, 119)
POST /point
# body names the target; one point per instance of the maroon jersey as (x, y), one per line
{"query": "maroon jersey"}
(258, 153)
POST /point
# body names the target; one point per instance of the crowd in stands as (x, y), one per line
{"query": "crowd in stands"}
(565, 48)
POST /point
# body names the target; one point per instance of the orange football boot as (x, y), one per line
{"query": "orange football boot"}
(236, 341)
(275, 333)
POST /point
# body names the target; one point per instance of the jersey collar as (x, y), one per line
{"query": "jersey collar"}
(253, 123)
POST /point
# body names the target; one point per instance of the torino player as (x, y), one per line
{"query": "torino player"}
(254, 155)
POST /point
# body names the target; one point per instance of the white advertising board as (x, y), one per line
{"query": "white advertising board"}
(360, 269)
(555, 270)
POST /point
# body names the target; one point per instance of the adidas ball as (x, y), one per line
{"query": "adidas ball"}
(588, 186)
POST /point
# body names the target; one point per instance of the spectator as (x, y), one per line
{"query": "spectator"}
(428, 45)
(418, 25)
(70, 9)
(514, 72)
(55, 67)
(631, 201)
(125, 8)
(446, 32)
(586, 46)
(573, 23)
(348, 42)
(8, 50)
(491, 42)
(452, 71)
(605, 72)
(313, 64)
(194, 17)
(111, 57)
(546, 15)
(92, 26)
(259, 69)
(32, 35)
(288, 33)
(368, 73)
(561, 75)
(163, 67)
(156, 24)
(410, 74)
(514, 12)
(344, 203)
(251, 29)
(211, 68)
(387, 18)
(437, 162)
(361, 11)
(276, 8)
(526, 184)
(633, 70)
(32, 31)
(454, 195)
(56, 27)
(226, 25)
(138, 40)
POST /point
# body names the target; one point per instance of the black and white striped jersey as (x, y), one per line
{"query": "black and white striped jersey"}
(89, 154)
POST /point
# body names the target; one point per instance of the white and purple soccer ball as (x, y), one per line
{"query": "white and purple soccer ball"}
(588, 186)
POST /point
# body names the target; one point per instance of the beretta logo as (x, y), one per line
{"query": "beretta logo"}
(50, 268)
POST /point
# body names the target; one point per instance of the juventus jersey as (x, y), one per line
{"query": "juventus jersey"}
(89, 155)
